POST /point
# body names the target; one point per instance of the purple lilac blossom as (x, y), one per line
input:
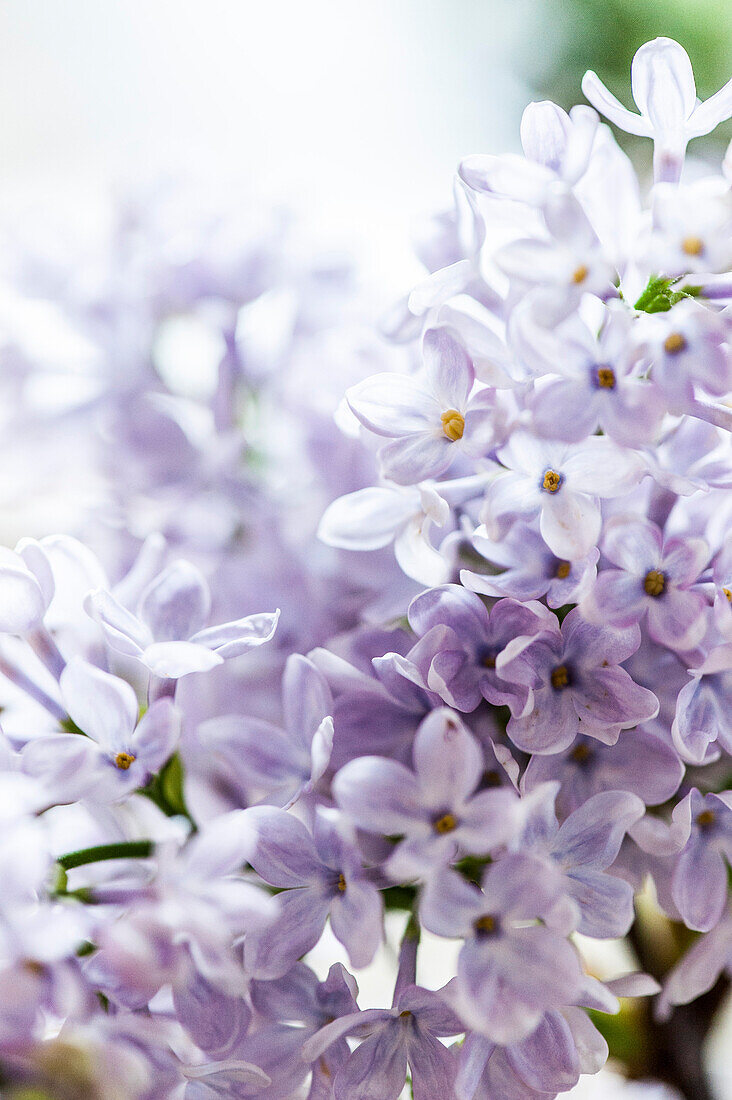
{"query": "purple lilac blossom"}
(497, 700)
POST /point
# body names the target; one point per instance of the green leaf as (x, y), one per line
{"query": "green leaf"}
(659, 296)
(166, 789)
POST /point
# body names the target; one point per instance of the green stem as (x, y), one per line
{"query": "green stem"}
(128, 849)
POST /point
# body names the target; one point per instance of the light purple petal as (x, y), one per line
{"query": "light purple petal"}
(378, 1068)
(123, 630)
(379, 795)
(570, 524)
(232, 639)
(176, 604)
(175, 659)
(433, 1066)
(448, 760)
(285, 853)
(271, 951)
(700, 886)
(356, 918)
(448, 368)
(103, 706)
(416, 457)
(157, 734)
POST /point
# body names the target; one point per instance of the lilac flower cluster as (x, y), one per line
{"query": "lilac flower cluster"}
(223, 739)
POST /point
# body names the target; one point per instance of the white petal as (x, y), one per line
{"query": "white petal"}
(103, 706)
(367, 519)
(612, 108)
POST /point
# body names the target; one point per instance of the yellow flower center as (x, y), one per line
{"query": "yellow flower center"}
(341, 884)
(453, 424)
(674, 343)
(485, 925)
(447, 823)
(580, 274)
(563, 570)
(552, 481)
(123, 760)
(654, 583)
(705, 818)
(692, 246)
(728, 594)
(606, 378)
(581, 754)
(559, 677)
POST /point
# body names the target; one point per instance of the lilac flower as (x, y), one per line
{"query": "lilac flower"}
(168, 634)
(684, 347)
(294, 1008)
(562, 485)
(511, 970)
(691, 228)
(593, 384)
(435, 808)
(652, 581)
(26, 589)
(549, 1060)
(392, 1039)
(371, 518)
(280, 764)
(319, 876)
(378, 710)
(575, 376)
(582, 848)
(699, 969)
(556, 146)
(118, 754)
(196, 908)
(665, 94)
(213, 1018)
(700, 877)
(460, 642)
(430, 422)
(567, 263)
(530, 569)
(703, 709)
(576, 685)
(641, 762)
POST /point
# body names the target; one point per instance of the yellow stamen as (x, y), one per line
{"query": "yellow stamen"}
(453, 424)
(705, 818)
(654, 583)
(674, 343)
(606, 378)
(728, 594)
(581, 754)
(485, 924)
(445, 824)
(560, 677)
(552, 481)
(563, 570)
(692, 246)
(580, 274)
(123, 760)
(341, 884)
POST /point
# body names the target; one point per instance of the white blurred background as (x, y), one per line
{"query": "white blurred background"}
(354, 114)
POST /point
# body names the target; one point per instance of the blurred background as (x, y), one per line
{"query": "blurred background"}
(352, 113)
